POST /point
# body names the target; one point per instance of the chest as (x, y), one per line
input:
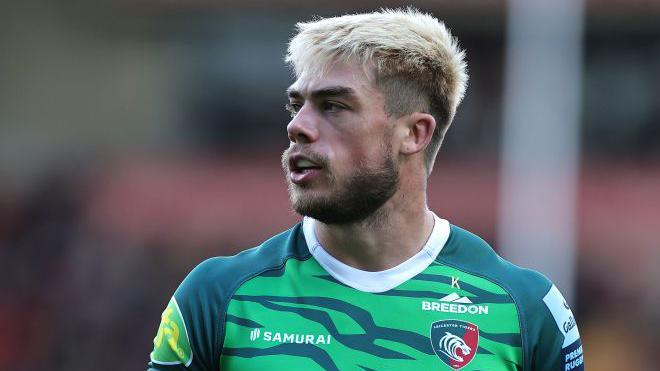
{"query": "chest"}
(304, 319)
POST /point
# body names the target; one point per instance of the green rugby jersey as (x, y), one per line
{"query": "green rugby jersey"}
(289, 304)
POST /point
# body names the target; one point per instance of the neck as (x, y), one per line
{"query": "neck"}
(387, 238)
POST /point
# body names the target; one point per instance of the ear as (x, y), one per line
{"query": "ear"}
(419, 130)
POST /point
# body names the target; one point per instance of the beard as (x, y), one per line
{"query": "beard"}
(354, 199)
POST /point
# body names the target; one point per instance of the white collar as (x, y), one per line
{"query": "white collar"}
(382, 280)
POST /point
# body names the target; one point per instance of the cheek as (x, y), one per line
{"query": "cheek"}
(354, 152)
(349, 160)
(365, 145)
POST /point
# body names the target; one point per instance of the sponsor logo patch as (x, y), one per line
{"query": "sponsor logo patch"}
(289, 338)
(455, 342)
(454, 303)
(562, 315)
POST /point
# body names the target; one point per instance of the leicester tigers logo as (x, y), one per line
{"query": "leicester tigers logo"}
(455, 342)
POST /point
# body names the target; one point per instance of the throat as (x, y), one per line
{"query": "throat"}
(371, 267)
(375, 244)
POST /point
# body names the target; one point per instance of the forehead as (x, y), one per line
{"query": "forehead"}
(339, 74)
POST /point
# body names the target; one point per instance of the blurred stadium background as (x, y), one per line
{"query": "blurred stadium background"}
(138, 137)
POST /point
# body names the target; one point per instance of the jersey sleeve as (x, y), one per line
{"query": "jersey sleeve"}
(187, 338)
(191, 333)
(557, 345)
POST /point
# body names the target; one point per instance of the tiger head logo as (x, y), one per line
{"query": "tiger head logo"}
(450, 344)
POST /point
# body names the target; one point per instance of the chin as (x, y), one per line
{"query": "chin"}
(328, 210)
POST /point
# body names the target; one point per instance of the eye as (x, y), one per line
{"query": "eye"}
(293, 108)
(330, 106)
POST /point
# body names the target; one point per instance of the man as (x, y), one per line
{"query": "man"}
(371, 279)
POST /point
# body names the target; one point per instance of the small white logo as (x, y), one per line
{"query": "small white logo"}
(255, 334)
(450, 343)
(455, 298)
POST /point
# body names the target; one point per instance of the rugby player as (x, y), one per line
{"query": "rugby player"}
(370, 279)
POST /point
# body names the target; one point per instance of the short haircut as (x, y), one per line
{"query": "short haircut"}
(414, 60)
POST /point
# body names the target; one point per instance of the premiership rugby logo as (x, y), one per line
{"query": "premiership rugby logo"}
(455, 342)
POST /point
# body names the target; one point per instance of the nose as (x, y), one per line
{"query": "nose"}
(302, 127)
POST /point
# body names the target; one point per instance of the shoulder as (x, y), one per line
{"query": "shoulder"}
(469, 252)
(198, 307)
(220, 275)
(550, 335)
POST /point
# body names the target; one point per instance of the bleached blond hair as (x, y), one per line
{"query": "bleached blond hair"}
(413, 58)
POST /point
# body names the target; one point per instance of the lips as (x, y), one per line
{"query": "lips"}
(302, 169)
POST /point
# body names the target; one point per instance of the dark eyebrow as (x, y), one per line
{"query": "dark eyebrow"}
(332, 91)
